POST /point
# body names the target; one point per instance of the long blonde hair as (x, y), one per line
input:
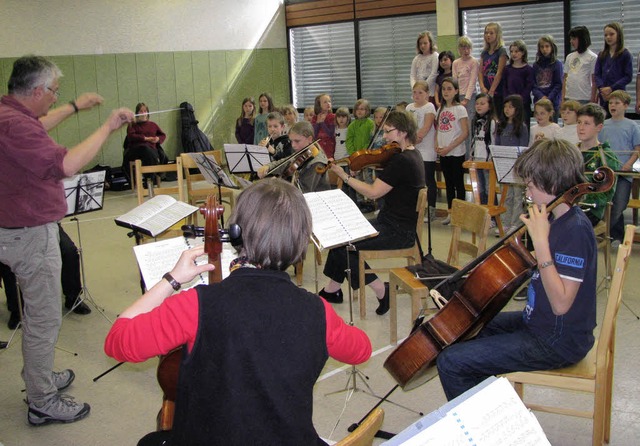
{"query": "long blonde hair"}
(499, 41)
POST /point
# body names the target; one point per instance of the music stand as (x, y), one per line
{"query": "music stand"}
(246, 158)
(84, 193)
(504, 158)
(213, 174)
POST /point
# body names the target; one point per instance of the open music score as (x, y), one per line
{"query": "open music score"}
(155, 259)
(156, 215)
(336, 219)
(489, 414)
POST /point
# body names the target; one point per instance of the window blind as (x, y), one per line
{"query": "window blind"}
(526, 22)
(323, 60)
(387, 47)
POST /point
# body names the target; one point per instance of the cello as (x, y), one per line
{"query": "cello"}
(169, 365)
(492, 279)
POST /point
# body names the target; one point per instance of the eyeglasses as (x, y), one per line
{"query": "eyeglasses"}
(56, 93)
(390, 130)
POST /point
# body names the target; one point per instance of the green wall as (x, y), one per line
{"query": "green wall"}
(214, 82)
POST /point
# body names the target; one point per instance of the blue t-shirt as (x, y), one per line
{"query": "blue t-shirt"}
(574, 251)
(489, 67)
(622, 136)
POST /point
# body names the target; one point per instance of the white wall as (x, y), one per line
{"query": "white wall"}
(73, 27)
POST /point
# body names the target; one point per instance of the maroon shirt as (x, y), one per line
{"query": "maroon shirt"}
(31, 171)
(137, 131)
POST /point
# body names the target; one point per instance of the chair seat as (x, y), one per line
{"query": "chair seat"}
(567, 377)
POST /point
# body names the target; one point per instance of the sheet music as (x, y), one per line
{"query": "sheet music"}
(156, 215)
(155, 259)
(84, 192)
(494, 416)
(337, 219)
(504, 157)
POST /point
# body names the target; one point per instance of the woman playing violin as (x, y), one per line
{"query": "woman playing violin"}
(555, 329)
(307, 179)
(255, 343)
(398, 185)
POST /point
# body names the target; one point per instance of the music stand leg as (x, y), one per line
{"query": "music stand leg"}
(84, 295)
(107, 371)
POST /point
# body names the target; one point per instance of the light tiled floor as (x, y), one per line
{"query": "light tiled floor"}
(125, 402)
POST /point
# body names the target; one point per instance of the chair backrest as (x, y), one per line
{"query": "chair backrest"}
(474, 219)
(363, 435)
(159, 169)
(421, 205)
(606, 340)
(494, 187)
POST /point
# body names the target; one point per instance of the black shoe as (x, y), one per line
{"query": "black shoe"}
(367, 208)
(81, 309)
(14, 320)
(383, 304)
(332, 298)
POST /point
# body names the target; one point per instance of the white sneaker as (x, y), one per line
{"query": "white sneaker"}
(447, 220)
(615, 244)
(496, 232)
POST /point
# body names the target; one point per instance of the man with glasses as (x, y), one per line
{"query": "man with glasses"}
(32, 200)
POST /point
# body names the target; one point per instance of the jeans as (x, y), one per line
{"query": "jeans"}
(504, 345)
(620, 201)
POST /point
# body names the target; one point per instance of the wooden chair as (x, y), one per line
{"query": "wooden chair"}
(465, 216)
(603, 236)
(472, 218)
(197, 188)
(363, 435)
(495, 210)
(140, 170)
(412, 254)
(594, 374)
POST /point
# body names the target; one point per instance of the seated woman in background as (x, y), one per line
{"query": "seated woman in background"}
(255, 343)
(143, 141)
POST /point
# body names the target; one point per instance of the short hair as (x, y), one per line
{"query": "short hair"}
(570, 105)
(366, 104)
(309, 110)
(303, 128)
(546, 104)
(464, 41)
(621, 95)
(289, 108)
(584, 38)
(404, 121)
(429, 36)
(317, 106)
(380, 110)
(276, 116)
(30, 72)
(344, 111)
(552, 165)
(519, 44)
(421, 84)
(275, 222)
(593, 110)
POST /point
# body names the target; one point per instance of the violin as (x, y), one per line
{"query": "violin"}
(492, 279)
(169, 365)
(296, 160)
(366, 158)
